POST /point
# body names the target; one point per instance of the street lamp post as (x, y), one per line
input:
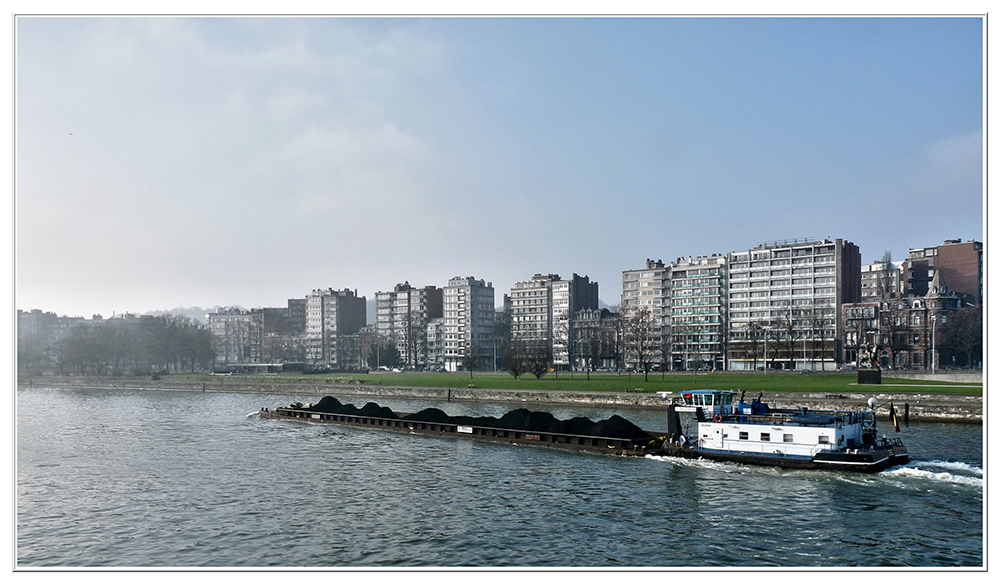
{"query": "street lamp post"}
(765, 351)
(933, 344)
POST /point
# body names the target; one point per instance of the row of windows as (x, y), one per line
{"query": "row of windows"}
(766, 437)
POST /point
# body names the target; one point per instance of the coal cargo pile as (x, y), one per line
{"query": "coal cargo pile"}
(579, 425)
(373, 410)
(618, 427)
(327, 405)
(331, 405)
(431, 416)
(520, 419)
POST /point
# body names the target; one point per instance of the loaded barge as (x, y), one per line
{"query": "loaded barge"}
(615, 436)
(705, 424)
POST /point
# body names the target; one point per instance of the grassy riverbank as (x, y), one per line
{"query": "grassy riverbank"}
(673, 382)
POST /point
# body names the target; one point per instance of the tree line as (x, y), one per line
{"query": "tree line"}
(153, 344)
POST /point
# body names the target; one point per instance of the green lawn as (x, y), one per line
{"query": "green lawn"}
(752, 383)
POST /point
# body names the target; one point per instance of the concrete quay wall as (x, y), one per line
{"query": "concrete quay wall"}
(975, 377)
(967, 408)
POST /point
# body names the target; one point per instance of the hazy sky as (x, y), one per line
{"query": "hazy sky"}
(167, 162)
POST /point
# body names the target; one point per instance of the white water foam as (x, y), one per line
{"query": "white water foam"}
(252, 414)
(729, 467)
(951, 465)
(946, 477)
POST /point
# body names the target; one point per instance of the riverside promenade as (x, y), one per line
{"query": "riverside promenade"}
(913, 406)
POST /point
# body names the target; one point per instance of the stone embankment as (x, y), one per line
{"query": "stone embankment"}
(941, 407)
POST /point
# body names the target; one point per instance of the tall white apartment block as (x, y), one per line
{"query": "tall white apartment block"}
(331, 317)
(698, 313)
(649, 288)
(468, 323)
(531, 308)
(402, 316)
(435, 344)
(542, 311)
(785, 303)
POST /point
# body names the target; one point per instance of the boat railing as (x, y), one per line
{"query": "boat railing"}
(820, 448)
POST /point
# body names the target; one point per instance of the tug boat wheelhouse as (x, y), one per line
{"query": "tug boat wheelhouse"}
(717, 425)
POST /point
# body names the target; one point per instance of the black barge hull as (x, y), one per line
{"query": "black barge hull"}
(568, 442)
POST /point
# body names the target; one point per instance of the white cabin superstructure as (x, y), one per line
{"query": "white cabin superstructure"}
(785, 440)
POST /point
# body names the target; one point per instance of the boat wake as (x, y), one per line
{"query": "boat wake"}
(730, 467)
(252, 414)
(960, 473)
(952, 466)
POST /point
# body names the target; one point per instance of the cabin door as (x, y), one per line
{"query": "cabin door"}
(713, 438)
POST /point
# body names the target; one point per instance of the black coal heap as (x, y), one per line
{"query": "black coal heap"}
(519, 419)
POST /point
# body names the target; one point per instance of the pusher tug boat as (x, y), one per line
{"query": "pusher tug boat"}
(714, 424)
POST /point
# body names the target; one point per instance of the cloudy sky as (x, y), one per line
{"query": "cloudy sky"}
(167, 162)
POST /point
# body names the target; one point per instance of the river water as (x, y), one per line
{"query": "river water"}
(153, 479)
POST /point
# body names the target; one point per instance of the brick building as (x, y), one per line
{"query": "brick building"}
(960, 263)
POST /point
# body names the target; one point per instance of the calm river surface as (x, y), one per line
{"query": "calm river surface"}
(175, 479)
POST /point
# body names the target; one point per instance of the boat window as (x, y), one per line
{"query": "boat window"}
(824, 439)
(788, 438)
(765, 436)
(744, 436)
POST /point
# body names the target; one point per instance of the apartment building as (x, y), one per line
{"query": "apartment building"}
(542, 311)
(531, 309)
(468, 323)
(785, 303)
(297, 314)
(258, 335)
(333, 319)
(881, 280)
(235, 336)
(435, 344)
(649, 289)
(569, 297)
(402, 316)
(698, 309)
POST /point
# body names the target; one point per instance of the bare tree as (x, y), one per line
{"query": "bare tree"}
(750, 341)
(515, 357)
(539, 358)
(789, 334)
(639, 338)
(470, 358)
(963, 331)
(894, 329)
